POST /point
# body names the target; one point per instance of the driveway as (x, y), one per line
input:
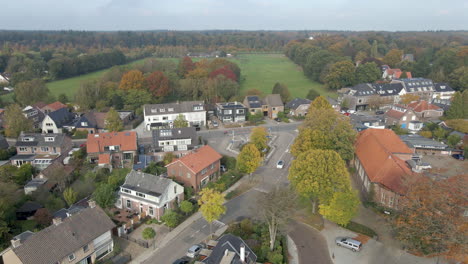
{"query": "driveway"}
(311, 244)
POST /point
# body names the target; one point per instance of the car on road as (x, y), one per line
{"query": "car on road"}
(194, 250)
(459, 156)
(183, 260)
(348, 242)
(280, 164)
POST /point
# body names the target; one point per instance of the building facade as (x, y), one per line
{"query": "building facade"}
(174, 140)
(231, 112)
(157, 116)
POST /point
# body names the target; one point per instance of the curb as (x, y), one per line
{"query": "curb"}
(292, 251)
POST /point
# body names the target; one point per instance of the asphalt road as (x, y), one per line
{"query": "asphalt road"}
(311, 245)
(244, 206)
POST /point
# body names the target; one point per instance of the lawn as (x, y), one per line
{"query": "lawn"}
(259, 71)
(262, 71)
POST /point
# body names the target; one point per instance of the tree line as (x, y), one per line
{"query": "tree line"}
(338, 60)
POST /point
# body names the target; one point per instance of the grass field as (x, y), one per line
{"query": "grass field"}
(259, 71)
(262, 71)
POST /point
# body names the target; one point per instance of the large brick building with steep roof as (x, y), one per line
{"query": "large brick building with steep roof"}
(381, 167)
(197, 168)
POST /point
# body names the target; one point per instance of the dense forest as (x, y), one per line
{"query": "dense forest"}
(339, 60)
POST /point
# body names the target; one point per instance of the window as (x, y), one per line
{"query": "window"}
(162, 110)
(189, 175)
(23, 149)
(129, 204)
(227, 112)
(240, 111)
(140, 195)
(212, 166)
(151, 211)
(44, 148)
(274, 108)
(170, 109)
(49, 124)
(49, 139)
(127, 156)
(382, 198)
(203, 171)
(413, 118)
(390, 202)
(71, 257)
(404, 118)
(85, 248)
(198, 107)
(164, 118)
(126, 190)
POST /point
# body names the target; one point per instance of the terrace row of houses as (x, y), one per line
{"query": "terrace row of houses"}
(364, 95)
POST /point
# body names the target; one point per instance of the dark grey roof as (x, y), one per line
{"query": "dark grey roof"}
(273, 100)
(29, 207)
(89, 120)
(23, 157)
(61, 117)
(254, 101)
(34, 114)
(39, 140)
(174, 133)
(3, 142)
(23, 236)
(296, 102)
(362, 89)
(231, 105)
(146, 183)
(418, 141)
(443, 87)
(387, 89)
(416, 84)
(231, 243)
(36, 182)
(56, 242)
(179, 107)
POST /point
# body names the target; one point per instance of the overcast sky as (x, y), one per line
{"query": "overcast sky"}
(392, 15)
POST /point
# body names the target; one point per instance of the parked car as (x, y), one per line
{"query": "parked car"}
(280, 164)
(222, 168)
(277, 119)
(459, 156)
(214, 123)
(183, 260)
(350, 243)
(194, 250)
(379, 112)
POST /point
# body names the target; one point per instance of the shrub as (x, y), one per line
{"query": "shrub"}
(148, 233)
(229, 162)
(362, 229)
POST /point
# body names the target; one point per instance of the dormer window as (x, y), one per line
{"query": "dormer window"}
(49, 139)
(162, 110)
(27, 139)
(198, 107)
(154, 110)
(170, 109)
(84, 123)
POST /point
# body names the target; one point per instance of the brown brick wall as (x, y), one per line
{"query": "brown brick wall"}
(179, 172)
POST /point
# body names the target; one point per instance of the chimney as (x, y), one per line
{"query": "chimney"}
(226, 252)
(57, 221)
(91, 203)
(15, 242)
(242, 253)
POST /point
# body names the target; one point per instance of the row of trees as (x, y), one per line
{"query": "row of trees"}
(324, 144)
(331, 59)
(156, 81)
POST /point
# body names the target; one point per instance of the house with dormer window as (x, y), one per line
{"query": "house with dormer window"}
(114, 149)
(149, 194)
(231, 112)
(157, 116)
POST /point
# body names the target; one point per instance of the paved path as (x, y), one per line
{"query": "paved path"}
(311, 244)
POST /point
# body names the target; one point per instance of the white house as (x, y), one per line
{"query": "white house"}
(163, 115)
(149, 194)
(443, 91)
(55, 121)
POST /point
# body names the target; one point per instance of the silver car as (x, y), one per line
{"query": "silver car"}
(350, 243)
(194, 251)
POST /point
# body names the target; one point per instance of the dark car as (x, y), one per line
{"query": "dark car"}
(380, 112)
(459, 156)
(183, 260)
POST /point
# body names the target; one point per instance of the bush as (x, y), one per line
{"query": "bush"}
(229, 162)
(148, 233)
(80, 134)
(362, 229)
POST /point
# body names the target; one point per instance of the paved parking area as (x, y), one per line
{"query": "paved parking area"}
(372, 252)
(445, 166)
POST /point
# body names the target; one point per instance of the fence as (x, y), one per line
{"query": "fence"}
(140, 242)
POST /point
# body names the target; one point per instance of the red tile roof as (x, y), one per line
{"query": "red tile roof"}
(55, 106)
(394, 113)
(376, 149)
(199, 159)
(126, 140)
(104, 158)
(422, 105)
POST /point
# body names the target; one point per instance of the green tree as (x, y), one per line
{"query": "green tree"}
(104, 195)
(63, 98)
(342, 208)
(148, 233)
(312, 94)
(211, 205)
(453, 140)
(318, 174)
(368, 73)
(16, 122)
(439, 133)
(171, 218)
(186, 207)
(282, 90)
(168, 158)
(258, 137)
(458, 79)
(180, 121)
(374, 49)
(458, 108)
(113, 122)
(248, 159)
(341, 74)
(24, 174)
(30, 92)
(70, 196)
(393, 57)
